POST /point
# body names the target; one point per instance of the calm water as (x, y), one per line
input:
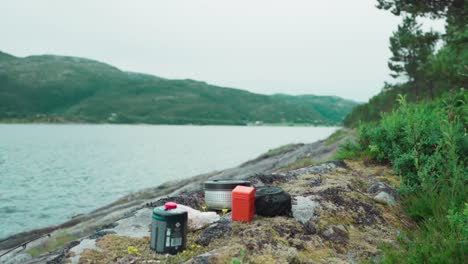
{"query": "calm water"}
(49, 173)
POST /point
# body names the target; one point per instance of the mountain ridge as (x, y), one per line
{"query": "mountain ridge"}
(52, 88)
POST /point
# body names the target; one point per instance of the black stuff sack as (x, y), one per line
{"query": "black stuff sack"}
(272, 201)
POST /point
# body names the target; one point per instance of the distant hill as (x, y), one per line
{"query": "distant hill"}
(51, 88)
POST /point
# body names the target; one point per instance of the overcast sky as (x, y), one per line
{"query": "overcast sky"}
(333, 47)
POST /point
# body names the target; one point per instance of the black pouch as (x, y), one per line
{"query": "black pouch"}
(272, 201)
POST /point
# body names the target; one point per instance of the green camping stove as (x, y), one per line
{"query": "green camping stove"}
(169, 229)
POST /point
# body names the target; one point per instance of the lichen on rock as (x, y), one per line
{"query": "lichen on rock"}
(303, 209)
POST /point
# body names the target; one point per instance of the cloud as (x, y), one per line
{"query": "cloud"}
(297, 47)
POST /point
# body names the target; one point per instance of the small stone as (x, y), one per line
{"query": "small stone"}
(385, 198)
(377, 187)
(351, 256)
(315, 182)
(342, 228)
(310, 227)
(226, 218)
(297, 243)
(101, 233)
(328, 233)
(336, 233)
(304, 208)
(202, 259)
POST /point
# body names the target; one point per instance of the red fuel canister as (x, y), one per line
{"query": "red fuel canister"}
(243, 200)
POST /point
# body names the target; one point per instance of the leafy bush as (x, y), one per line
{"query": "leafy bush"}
(351, 150)
(426, 144)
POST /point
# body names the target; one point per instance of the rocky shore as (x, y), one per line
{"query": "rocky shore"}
(342, 212)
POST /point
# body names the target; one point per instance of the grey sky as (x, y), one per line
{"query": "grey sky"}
(337, 47)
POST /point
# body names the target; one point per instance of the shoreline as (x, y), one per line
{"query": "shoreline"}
(154, 174)
(342, 211)
(83, 225)
(162, 124)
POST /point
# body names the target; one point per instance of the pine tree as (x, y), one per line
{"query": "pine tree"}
(431, 8)
(411, 48)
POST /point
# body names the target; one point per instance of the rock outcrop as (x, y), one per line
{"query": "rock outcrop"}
(342, 211)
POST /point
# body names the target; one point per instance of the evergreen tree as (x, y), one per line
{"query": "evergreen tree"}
(455, 12)
(431, 8)
(411, 48)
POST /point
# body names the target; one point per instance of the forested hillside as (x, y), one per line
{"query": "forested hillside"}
(68, 89)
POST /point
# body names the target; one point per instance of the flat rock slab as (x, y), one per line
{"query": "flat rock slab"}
(137, 225)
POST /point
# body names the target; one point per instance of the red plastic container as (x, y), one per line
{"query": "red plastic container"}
(243, 200)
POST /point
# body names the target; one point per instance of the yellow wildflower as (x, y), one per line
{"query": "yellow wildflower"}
(132, 250)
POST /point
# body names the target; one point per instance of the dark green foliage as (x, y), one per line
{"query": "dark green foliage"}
(449, 65)
(411, 136)
(411, 48)
(443, 70)
(57, 89)
(431, 8)
(433, 76)
(430, 74)
(383, 102)
(426, 144)
(350, 150)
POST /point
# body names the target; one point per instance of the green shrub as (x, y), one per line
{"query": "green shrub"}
(426, 145)
(336, 136)
(350, 150)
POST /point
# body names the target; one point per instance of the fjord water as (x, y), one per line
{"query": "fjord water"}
(49, 173)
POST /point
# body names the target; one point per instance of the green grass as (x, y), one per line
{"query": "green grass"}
(53, 243)
(114, 247)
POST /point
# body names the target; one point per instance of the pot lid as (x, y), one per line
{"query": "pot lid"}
(268, 191)
(224, 184)
(169, 210)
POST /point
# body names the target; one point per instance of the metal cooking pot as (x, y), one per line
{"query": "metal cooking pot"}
(218, 192)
